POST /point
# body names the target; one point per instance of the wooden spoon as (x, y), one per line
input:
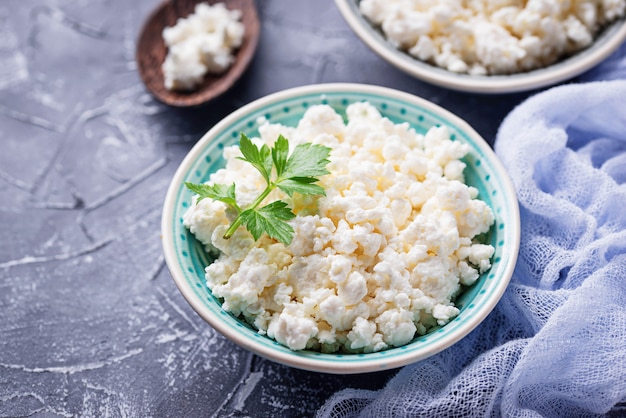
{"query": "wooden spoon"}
(151, 52)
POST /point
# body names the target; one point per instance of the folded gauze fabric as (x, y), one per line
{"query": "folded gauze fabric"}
(555, 345)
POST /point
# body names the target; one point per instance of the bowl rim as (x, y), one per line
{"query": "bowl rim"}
(606, 42)
(311, 363)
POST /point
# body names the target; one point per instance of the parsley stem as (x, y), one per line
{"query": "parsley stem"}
(237, 222)
(233, 227)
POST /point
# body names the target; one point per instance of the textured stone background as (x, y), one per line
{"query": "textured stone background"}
(91, 323)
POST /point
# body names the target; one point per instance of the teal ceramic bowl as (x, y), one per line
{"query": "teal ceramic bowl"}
(187, 260)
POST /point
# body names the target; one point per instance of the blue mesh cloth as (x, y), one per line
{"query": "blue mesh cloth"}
(555, 345)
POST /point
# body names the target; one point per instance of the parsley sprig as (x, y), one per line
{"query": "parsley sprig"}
(295, 173)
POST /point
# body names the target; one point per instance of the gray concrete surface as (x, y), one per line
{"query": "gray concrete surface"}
(91, 323)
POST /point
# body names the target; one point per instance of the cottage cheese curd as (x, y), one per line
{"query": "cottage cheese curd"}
(377, 261)
(201, 43)
(491, 36)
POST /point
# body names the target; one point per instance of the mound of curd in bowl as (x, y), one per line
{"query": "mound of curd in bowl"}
(377, 261)
(482, 37)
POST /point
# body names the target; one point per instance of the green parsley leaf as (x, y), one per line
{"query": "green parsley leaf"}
(307, 160)
(260, 158)
(295, 173)
(302, 185)
(219, 192)
(270, 219)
